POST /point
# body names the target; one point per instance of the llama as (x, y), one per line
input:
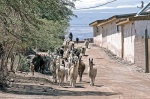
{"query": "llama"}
(73, 71)
(60, 72)
(86, 43)
(32, 68)
(67, 68)
(92, 72)
(81, 68)
(53, 70)
(83, 50)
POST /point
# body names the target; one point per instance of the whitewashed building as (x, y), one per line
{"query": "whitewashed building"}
(127, 36)
(124, 36)
(108, 35)
(97, 34)
(133, 30)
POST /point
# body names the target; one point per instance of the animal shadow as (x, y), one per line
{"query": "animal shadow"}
(86, 55)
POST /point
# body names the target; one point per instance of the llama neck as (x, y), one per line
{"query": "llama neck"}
(91, 66)
(79, 62)
(59, 64)
(74, 68)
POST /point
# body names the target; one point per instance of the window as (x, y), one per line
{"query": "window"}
(96, 29)
(117, 28)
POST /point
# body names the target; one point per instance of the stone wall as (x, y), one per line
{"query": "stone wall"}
(139, 52)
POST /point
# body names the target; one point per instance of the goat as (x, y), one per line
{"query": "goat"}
(81, 68)
(73, 71)
(92, 72)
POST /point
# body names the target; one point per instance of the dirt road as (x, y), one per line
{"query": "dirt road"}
(115, 80)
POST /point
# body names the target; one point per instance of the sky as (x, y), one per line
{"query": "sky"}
(80, 26)
(80, 4)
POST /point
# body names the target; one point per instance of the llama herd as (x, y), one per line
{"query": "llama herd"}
(66, 63)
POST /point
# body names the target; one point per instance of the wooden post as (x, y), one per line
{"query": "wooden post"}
(146, 52)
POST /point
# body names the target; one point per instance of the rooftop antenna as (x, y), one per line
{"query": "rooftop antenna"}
(142, 5)
(147, 5)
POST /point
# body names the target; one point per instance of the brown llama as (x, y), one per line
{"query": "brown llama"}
(81, 68)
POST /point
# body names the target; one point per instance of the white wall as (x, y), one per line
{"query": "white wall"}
(112, 38)
(129, 36)
(98, 40)
(98, 36)
(131, 30)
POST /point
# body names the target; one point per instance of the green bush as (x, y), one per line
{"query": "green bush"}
(24, 65)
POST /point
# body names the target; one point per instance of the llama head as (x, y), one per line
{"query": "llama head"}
(80, 57)
(90, 62)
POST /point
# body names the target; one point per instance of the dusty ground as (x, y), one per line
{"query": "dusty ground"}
(116, 79)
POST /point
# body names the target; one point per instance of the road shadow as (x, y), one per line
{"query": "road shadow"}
(99, 58)
(20, 89)
(77, 86)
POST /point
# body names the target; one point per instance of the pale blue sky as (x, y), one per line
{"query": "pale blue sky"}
(80, 26)
(116, 4)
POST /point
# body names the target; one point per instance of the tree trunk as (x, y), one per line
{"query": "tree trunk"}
(4, 61)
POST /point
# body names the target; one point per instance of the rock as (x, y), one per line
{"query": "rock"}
(12, 80)
(41, 83)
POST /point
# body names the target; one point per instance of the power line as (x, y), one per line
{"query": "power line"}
(97, 5)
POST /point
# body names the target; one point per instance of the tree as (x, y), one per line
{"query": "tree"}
(20, 20)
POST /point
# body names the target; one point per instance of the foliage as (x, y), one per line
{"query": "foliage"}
(23, 23)
(24, 65)
(47, 36)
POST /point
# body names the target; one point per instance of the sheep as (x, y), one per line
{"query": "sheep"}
(92, 72)
(81, 68)
(73, 71)
(60, 71)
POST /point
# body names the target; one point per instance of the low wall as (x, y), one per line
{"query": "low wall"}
(89, 39)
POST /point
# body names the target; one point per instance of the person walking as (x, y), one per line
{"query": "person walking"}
(77, 40)
(70, 36)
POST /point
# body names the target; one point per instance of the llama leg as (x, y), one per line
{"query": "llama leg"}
(63, 80)
(92, 82)
(59, 81)
(73, 83)
(70, 81)
(66, 76)
(79, 76)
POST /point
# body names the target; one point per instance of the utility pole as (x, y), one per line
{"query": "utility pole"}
(142, 5)
(146, 52)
